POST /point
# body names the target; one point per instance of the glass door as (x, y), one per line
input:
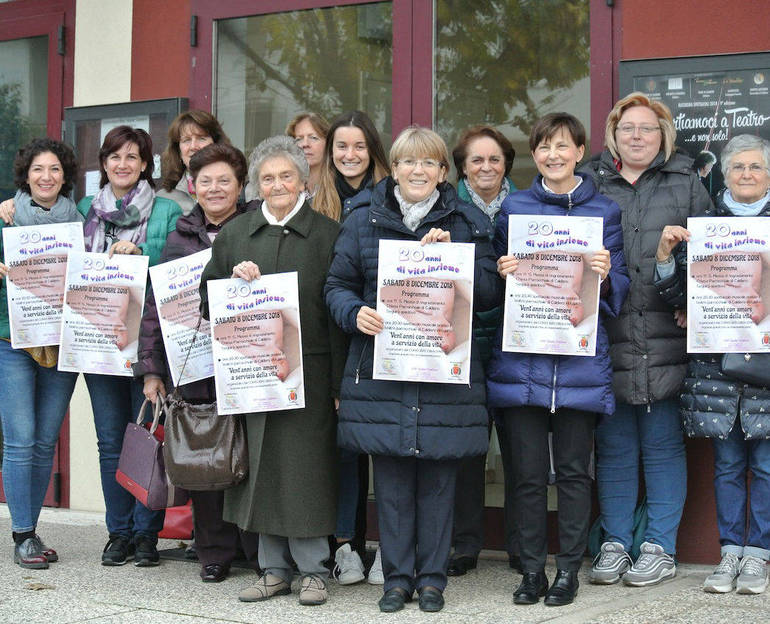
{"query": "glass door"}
(31, 86)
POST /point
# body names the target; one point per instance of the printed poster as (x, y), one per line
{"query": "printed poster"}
(175, 285)
(552, 299)
(425, 297)
(257, 344)
(36, 256)
(103, 302)
(728, 286)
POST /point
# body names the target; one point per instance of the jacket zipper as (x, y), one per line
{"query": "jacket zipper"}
(360, 360)
(553, 388)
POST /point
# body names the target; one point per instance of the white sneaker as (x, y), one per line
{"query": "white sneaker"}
(753, 576)
(349, 568)
(610, 564)
(653, 566)
(722, 579)
(376, 577)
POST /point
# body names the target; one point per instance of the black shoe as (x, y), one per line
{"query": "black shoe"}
(214, 573)
(146, 552)
(459, 565)
(431, 599)
(118, 550)
(563, 590)
(533, 585)
(514, 562)
(29, 555)
(394, 600)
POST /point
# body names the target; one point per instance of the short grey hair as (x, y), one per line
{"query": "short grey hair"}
(744, 143)
(280, 146)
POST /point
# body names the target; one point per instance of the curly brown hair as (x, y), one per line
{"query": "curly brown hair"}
(24, 157)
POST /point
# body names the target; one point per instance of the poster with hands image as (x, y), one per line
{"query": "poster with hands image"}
(186, 336)
(728, 285)
(103, 302)
(425, 298)
(257, 344)
(36, 256)
(552, 298)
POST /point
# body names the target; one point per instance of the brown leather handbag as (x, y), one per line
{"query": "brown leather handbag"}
(203, 450)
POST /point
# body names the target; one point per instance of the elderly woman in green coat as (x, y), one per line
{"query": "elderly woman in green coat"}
(290, 495)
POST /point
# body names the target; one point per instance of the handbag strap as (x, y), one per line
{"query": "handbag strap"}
(192, 343)
(155, 415)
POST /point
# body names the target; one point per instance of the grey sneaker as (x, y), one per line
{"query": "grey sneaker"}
(610, 564)
(722, 579)
(652, 566)
(376, 577)
(313, 590)
(753, 576)
(349, 568)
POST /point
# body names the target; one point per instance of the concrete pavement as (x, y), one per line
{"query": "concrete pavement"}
(79, 589)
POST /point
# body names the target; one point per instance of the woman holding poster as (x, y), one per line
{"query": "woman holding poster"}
(655, 187)
(289, 496)
(416, 432)
(33, 395)
(560, 393)
(733, 413)
(218, 173)
(124, 217)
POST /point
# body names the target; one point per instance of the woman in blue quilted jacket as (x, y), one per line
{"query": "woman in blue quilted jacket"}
(563, 394)
(415, 432)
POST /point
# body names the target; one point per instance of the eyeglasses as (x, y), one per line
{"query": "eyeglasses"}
(631, 128)
(310, 137)
(754, 168)
(427, 163)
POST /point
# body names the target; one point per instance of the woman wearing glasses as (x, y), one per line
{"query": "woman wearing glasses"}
(415, 432)
(732, 413)
(656, 188)
(309, 132)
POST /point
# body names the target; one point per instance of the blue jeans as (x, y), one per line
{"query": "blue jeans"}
(347, 495)
(115, 402)
(33, 402)
(630, 434)
(732, 458)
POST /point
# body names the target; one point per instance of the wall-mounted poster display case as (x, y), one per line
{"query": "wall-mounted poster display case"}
(712, 99)
(86, 126)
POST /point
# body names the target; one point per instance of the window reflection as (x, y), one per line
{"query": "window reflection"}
(506, 63)
(271, 67)
(23, 100)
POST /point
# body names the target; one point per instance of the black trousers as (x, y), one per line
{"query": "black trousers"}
(468, 535)
(527, 433)
(217, 541)
(415, 499)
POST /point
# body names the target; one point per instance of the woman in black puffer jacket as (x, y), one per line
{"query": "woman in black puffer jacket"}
(734, 414)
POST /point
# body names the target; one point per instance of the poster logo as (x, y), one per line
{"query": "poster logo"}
(519, 339)
(766, 339)
(292, 395)
(583, 343)
(456, 369)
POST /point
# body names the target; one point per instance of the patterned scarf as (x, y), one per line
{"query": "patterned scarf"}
(63, 211)
(109, 220)
(415, 213)
(493, 207)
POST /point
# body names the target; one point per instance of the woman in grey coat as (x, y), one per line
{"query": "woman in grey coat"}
(657, 190)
